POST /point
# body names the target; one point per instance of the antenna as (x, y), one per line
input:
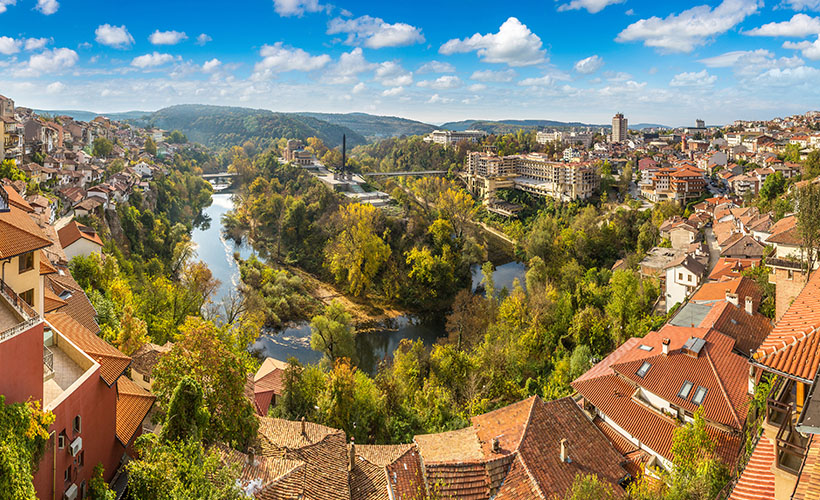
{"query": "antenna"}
(344, 153)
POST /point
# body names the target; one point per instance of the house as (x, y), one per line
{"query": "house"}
(143, 362)
(683, 276)
(77, 239)
(728, 268)
(51, 358)
(742, 246)
(530, 449)
(268, 384)
(683, 235)
(650, 386)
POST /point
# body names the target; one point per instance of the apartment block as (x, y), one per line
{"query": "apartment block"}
(534, 173)
(449, 137)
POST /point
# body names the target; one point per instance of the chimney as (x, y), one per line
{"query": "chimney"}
(303, 426)
(496, 445)
(251, 457)
(564, 452)
(352, 453)
(749, 306)
(732, 298)
(665, 347)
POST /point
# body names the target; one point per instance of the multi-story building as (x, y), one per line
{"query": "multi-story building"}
(534, 173)
(674, 184)
(449, 137)
(50, 354)
(619, 128)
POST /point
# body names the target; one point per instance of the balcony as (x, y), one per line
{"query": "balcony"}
(781, 414)
(65, 366)
(16, 316)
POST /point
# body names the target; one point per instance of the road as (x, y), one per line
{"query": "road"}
(714, 250)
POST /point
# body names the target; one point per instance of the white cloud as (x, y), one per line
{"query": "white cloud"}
(799, 25)
(296, 7)
(277, 58)
(476, 87)
(749, 63)
(441, 83)
(437, 99)
(589, 65)
(391, 74)
(167, 37)
(691, 28)
(541, 81)
(49, 61)
(514, 45)
(151, 60)
(374, 33)
(693, 79)
(789, 77)
(4, 5)
(593, 6)
(113, 36)
(212, 65)
(55, 88)
(803, 4)
(393, 91)
(9, 45)
(47, 7)
(36, 43)
(436, 67)
(810, 50)
(202, 39)
(359, 88)
(487, 75)
(350, 64)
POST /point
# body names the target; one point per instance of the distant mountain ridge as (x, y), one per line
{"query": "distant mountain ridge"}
(374, 126)
(87, 116)
(507, 126)
(224, 126)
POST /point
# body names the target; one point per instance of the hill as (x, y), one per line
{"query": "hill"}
(223, 126)
(87, 116)
(507, 126)
(374, 126)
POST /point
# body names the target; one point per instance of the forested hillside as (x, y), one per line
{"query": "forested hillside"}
(373, 126)
(222, 126)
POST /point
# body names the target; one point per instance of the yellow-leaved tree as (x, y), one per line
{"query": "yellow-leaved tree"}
(355, 255)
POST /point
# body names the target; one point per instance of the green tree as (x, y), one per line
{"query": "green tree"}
(773, 186)
(624, 305)
(333, 333)
(187, 417)
(23, 438)
(219, 362)
(808, 223)
(102, 147)
(182, 470)
(356, 254)
(150, 146)
(9, 170)
(97, 487)
(177, 137)
(589, 487)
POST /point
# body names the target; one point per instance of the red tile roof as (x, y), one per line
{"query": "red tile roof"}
(133, 405)
(757, 480)
(808, 483)
(716, 291)
(112, 361)
(72, 232)
(747, 330)
(16, 200)
(19, 234)
(731, 268)
(793, 345)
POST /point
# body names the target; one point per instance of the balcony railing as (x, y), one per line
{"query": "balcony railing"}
(21, 305)
(48, 360)
(791, 446)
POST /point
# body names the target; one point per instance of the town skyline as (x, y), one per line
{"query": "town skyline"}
(579, 60)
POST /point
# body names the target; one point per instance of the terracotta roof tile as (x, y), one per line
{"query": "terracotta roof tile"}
(716, 291)
(731, 268)
(748, 330)
(72, 232)
(793, 345)
(16, 200)
(757, 480)
(450, 447)
(133, 405)
(808, 483)
(19, 234)
(380, 469)
(112, 361)
(77, 304)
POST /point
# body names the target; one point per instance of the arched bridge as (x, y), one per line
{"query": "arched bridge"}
(406, 174)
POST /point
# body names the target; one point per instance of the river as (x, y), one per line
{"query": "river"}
(371, 346)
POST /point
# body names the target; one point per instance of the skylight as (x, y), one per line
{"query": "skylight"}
(644, 369)
(685, 389)
(700, 393)
(645, 347)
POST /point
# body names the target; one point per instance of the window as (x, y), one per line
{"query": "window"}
(146, 378)
(81, 459)
(26, 262)
(680, 276)
(645, 347)
(685, 389)
(78, 427)
(61, 440)
(67, 475)
(699, 395)
(28, 296)
(689, 278)
(644, 369)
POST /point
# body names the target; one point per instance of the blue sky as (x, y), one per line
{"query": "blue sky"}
(582, 60)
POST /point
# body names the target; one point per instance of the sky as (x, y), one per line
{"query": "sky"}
(667, 62)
